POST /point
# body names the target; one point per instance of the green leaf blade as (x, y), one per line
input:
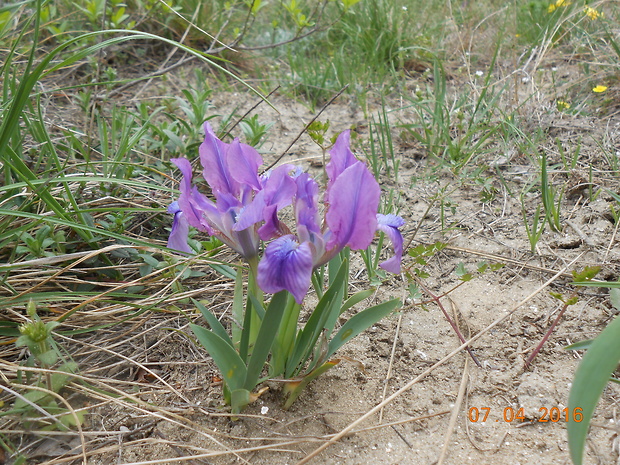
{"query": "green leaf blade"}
(361, 322)
(327, 306)
(591, 378)
(356, 298)
(265, 338)
(229, 363)
(213, 322)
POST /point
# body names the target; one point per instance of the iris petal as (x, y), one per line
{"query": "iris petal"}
(341, 157)
(271, 228)
(286, 265)
(214, 160)
(306, 204)
(191, 202)
(353, 202)
(246, 161)
(251, 213)
(277, 192)
(180, 229)
(389, 224)
(280, 188)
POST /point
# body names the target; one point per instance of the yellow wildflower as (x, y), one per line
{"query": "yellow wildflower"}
(556, 5)
(561, 105)
(599, 89)
(592, 13)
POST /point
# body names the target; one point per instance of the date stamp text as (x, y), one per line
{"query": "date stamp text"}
(546, 415)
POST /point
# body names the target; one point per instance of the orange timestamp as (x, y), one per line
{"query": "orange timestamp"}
(553, 415)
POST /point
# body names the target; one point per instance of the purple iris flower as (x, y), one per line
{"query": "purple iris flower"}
(351, 220)
(231, 170)
(246, 209)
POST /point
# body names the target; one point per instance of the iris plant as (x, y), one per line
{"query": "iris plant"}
(244, 214)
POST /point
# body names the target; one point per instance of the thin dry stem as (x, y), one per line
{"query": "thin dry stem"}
(331, 100)
(455, 413)
(388, 375)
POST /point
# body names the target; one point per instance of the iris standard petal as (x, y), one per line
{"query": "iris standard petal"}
(280, 187)
(244, 161)
(306, 204)
(252, 213)
(341, 157)
(214, 160)
(389, 224)
(273, 227)
(352, 213)
(286, 265)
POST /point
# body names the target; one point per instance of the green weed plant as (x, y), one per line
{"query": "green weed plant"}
(43, 388)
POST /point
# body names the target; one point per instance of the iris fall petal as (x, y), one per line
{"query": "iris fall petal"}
(286, 265)
(389, 224)
(180, 229)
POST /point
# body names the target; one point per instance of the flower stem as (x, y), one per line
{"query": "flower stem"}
(255, 320)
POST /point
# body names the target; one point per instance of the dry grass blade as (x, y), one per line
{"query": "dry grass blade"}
(459, 400)
(81, 259)
(388, 375)
(455, 413)
(139, 365)
(274, 447)
(502, 259)
(45, 261)
(414, 381)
